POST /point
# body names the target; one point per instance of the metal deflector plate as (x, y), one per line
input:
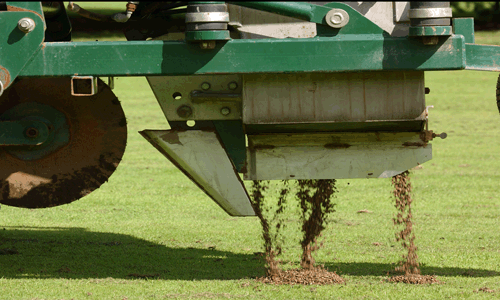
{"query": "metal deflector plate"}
(200, 155)
(334, 155)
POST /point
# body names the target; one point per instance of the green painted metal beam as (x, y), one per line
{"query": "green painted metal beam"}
(338, 54)
(482, 57)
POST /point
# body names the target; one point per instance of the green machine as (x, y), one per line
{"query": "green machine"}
(251, 90)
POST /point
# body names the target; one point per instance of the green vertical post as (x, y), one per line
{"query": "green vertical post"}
(465, 27)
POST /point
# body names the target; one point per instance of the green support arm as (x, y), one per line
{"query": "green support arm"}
(357, 24)
(482, 57)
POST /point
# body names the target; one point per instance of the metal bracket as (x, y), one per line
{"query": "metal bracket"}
(111, 82)
(429, 135)
(83, 85)
(207, 97)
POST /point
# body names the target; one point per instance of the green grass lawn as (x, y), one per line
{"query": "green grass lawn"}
(150, 233)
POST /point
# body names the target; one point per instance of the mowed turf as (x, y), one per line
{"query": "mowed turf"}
(150, 233)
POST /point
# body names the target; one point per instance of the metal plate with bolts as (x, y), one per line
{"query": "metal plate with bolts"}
(207, 97)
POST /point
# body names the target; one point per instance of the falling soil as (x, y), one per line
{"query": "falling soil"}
(409, 266)
(317, 275)
(315, 202)
(258, 188)
(278, 217)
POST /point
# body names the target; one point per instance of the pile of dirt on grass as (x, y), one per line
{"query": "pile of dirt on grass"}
(317, 275)
(414, 279)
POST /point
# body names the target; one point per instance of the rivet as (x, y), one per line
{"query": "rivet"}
(232, 85)
(225, 111)
(205, 86)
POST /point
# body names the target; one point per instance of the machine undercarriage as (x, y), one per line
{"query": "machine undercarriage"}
(251, 90)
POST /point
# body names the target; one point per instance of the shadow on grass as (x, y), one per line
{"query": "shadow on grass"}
(78, 253)
(55, 252)
(374, 269)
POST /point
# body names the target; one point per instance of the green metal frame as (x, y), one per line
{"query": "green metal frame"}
(18, 47)
(359, 46)
(322, 54)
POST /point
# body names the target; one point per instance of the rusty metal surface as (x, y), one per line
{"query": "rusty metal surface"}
(97, 142)
(14, 8)
(4, 76)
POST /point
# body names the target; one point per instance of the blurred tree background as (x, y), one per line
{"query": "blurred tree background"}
(486, 14)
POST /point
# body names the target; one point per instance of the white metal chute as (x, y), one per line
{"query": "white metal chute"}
(200, 155)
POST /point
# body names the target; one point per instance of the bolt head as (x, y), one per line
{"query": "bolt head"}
(184, 111)
(232, 85)
(205, 86)
(225, 111)
(31, 132)
(26, 25)
(337, 18)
